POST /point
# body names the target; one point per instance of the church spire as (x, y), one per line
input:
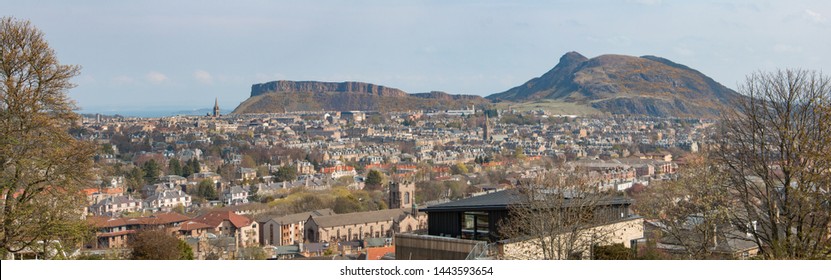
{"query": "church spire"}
(216, 107)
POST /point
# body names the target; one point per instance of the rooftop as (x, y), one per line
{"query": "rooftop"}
(360, 217)
(501, 200)
(215, 218)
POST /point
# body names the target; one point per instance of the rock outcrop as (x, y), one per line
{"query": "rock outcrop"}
(288, 96)
(621, 84)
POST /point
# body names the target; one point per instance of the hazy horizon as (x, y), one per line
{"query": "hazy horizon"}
(182, 55)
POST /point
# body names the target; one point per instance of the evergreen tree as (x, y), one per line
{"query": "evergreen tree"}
(187, 170)
(151, 171)
(194, 165)
(286, 173)
(374, 179)
(207, 190)
(174, 167)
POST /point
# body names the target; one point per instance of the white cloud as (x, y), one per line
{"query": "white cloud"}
(203, 77)
(814, 17)
(156, 77)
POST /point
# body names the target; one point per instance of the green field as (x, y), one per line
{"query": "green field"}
(552, 107)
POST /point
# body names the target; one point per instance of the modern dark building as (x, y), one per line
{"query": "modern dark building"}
(480, 217)
(470, 228)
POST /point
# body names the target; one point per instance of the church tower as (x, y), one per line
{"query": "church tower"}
(216, 108)
(486, 134)
(402, 195)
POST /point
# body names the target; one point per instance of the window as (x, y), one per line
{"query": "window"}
(475, 225)
(271, 233)
(406, 197)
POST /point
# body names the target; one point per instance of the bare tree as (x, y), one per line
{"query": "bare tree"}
(690, 211)
(776, 154)
(43, 167)
(561, 214)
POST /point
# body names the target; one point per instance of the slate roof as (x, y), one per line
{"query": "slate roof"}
(157, 219)
(492, 201)
(287, 250)
(376, 242)
(235, 190)
(359, 217)
(299, 217)
(117, 200)
(167, 193)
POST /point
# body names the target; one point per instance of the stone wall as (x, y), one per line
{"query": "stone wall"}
(619, 232)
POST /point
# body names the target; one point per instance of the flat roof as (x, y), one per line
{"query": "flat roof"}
(499, 200)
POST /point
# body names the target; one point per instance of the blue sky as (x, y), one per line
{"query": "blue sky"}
(139, 55)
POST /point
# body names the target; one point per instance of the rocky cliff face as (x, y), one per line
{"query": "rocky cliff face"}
(622, 84)
(312, 86)
(443, 96)
(287, 96)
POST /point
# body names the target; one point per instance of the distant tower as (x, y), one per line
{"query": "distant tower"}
(216, 108)
(402, 195)
(486, 135)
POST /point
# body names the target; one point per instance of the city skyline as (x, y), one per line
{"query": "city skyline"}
(613, 157)
(178, 56)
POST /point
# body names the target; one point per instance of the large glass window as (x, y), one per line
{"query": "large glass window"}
(475, 226)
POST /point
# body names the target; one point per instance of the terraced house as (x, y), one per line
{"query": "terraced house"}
(227, 224)
(118, 232)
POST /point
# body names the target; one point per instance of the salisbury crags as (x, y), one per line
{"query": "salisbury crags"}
(287, 96)
(312, 86)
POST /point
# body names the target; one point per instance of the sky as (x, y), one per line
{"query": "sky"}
(172, 55)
